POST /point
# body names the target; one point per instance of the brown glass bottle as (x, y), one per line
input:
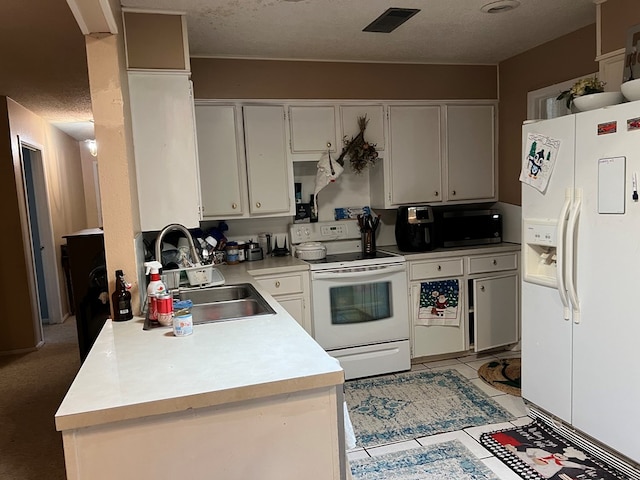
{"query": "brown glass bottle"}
(121, 299)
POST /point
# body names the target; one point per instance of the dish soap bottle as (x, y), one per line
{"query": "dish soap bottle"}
(154, 288)
(121, 299)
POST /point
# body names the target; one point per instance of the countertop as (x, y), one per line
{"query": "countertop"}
(130, 373)
(503, 247)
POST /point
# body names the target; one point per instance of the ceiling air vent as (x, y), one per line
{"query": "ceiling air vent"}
(390, 20)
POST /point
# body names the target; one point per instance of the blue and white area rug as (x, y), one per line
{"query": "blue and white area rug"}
(410, 405)
(442, 461)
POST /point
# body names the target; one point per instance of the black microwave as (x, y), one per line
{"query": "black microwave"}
(462, 227)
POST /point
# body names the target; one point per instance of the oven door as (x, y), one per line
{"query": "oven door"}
(360, 305)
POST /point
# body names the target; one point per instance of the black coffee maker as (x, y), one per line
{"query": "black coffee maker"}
(415, 228)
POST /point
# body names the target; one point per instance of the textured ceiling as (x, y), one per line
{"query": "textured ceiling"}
(43, 57)
(43, 63)
(444, 31)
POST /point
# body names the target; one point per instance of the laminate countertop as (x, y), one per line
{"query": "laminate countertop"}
(130, 373)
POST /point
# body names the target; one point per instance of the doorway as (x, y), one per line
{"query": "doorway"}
(45, 289)
(36, 244)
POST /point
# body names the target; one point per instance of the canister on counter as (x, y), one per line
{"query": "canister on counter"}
(164, 306)
(182, 318)
(233, 255)
(242, 251)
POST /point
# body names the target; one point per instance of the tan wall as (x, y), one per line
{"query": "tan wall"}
(616, 18)
(61, 158)
(562, 59)
(268, 79)
(154, 41)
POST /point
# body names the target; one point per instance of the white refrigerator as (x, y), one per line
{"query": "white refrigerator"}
(581, 273)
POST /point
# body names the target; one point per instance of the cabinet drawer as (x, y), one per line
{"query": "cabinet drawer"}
(493, 263)
(281, 284)
(434, 269)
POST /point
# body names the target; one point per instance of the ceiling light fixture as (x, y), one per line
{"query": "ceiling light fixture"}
(500, 6)
(93, 147)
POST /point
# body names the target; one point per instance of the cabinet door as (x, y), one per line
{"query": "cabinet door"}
(164, 145)
(496, 310)
(312, 128)
(221, 170)
(374, 133)
(435, 339)
(292, 292)
(415, 154)
(268, 171)
(470, 152)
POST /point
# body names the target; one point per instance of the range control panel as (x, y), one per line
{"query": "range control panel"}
(324, 231)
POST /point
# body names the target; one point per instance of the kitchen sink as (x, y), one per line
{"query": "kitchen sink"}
(223, 303)
(218, 294)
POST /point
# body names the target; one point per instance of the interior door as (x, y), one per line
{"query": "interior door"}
(495, 311)
(606, 331)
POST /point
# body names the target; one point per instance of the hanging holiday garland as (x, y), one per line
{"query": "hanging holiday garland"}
(360, 152)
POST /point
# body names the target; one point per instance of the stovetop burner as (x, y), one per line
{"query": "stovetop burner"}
(351, 257)
(342, 240)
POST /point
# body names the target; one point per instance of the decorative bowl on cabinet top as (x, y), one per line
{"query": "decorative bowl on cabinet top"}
(597, 100)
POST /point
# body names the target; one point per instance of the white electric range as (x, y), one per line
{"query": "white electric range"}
(359, 302)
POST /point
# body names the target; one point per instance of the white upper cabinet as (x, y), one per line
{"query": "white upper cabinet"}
(374, 133)
(165, 149)
(269, 173)
(471, 168)
(312, 127)
(223, 182)
(437, 153)
(411, 171)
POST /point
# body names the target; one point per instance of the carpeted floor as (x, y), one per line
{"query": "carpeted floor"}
(32, 386)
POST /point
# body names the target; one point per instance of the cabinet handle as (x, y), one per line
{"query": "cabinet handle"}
(482, 288)
(234, 205)
(495, 262)
(436, 193)
(453, 192)
(277, 284)
(439, 267)
(258, 204)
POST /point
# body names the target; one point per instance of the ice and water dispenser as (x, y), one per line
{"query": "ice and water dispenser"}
(540, 252)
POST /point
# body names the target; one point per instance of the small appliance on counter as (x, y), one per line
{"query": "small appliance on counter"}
(463, 227)
(254, 252)
(415, 228)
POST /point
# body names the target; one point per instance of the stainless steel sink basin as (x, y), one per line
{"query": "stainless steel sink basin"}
(225, 303)
(218, 294)
(229, 310)
(228, 302)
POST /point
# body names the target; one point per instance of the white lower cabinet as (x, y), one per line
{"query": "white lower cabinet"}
(494, 310)
(291, 290)
(488, 301)
(434, 339)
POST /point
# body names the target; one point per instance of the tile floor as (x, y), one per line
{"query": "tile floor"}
(468, 367)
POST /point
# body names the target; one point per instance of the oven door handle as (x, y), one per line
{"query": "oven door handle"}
(346, 273)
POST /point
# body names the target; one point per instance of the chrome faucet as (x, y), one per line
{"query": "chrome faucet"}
(169, 228)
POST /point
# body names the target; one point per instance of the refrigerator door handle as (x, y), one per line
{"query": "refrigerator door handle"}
(560, 254)
(571, 263)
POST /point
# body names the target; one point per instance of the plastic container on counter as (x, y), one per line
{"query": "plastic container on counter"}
(233, 254)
